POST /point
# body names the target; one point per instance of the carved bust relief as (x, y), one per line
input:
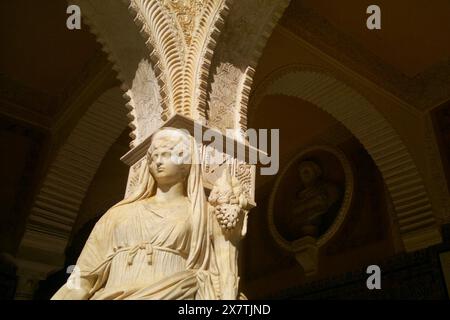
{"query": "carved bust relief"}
(310, 199)
(315, 202)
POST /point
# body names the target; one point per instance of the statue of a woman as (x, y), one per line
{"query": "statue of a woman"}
(156, 244)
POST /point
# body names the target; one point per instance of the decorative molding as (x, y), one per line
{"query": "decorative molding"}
(56, 204)
(144, 104)
(223, 115)
(186, 14)
(255, 19)
(414, 212)
(181, 48)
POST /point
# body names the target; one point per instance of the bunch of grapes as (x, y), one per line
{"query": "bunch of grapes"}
(227, 215)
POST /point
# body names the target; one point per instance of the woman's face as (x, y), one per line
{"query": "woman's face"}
(307, 175)
(166, 161)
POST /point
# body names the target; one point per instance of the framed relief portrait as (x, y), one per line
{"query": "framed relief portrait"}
(311, 197)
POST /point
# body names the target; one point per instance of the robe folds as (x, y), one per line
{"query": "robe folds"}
(137, 251)
(143, 250)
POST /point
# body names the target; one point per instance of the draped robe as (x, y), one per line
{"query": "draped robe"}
(139, 250)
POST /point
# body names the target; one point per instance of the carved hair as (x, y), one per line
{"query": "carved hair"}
(174, 139)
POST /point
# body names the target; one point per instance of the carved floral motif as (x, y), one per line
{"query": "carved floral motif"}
(185, 12)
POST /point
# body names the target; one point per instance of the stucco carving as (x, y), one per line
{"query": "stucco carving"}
(181, 36)
(255, 19)
(145, 103)
(223, 115)
(186, 13)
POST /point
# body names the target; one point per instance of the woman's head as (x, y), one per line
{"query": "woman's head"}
(169, 156)
(309, 172)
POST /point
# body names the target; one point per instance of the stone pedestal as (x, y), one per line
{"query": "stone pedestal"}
(307, 255)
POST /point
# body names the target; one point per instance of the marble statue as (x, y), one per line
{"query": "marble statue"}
(164, 241)
(313, 201)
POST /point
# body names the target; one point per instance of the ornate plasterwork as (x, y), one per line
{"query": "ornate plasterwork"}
(144, 103)
(245, 173)
(223, 115)
(414, 212)
(186, 13)
(255, 20)
(181, 36)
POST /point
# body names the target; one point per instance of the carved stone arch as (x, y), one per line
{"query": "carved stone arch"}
(159, 33)
(235, 61)
(55, 207)
(413, 209)
(182, 37)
